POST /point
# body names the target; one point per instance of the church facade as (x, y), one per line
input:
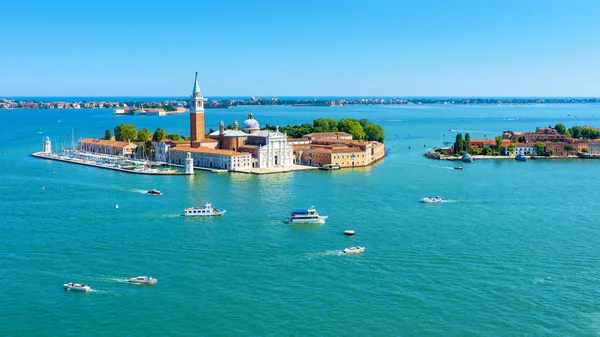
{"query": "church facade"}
(269, 149)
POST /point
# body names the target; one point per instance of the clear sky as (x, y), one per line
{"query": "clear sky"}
(300, 48)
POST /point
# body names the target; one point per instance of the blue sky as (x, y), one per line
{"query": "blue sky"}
(300, 48)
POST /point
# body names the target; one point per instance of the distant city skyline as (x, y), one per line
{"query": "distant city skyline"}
(435, 48)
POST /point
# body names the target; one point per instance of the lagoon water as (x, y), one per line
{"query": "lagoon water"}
(514, 251)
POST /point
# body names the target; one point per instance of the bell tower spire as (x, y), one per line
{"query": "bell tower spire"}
(196, 114)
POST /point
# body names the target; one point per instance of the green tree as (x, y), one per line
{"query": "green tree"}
(107, 134)
(125, 132)
(561, 128)
(374, 132)
(540, 147)
(575, 131)
(585, 150)
(486, 151)
(325, 125)
(467, 145)
(174, 137)
(458, 143)
(159, 134)
(351, 126)
(144, 135)
(569, 148)
(498, 142)
(511, 148)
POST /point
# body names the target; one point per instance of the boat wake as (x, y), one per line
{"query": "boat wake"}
(541, 280)
(116, 280)
(136, 190)
(326, 253)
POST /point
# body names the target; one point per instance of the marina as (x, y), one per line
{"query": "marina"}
(128, 167)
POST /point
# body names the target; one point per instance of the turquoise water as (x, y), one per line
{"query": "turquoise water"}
(514, 251)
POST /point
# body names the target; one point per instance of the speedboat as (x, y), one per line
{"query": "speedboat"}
(154, 192)
(354, 250)
(460, 168)
(77, 286)
(304, 216)
(206, 210)
(349, 232)
(432, 200)
(143, 280)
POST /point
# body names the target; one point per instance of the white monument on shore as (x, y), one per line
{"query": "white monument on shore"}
(189, 164)
(47, 146)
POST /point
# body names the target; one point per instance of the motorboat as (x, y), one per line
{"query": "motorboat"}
(143, 280)
(354, 250)
(521, 157)
(154, 192)
(77, 286)
(349, 232)
(306, 216)
(460, 168)
(432, 200)
(206, 210)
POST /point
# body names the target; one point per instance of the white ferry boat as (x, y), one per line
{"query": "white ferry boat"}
(301, 216)
(77, 286)
(143, 280)
(206, 210)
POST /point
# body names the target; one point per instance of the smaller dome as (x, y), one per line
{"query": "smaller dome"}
(251, 123)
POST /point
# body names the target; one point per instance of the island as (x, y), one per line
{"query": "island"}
(546, 142)
(327, 144)
(180, 104)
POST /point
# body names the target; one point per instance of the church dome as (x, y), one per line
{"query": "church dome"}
(251, 124)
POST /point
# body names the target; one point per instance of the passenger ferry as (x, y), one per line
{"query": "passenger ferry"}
(206, 210)
(306, 216)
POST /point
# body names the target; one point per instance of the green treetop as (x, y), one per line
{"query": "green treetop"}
(158, 135)
(144, 135)
(126, 132)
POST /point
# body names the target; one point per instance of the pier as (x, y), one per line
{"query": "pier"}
(79, 161)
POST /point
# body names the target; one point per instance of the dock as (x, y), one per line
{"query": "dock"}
(52, 156)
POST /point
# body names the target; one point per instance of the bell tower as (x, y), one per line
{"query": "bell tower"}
(196, 114)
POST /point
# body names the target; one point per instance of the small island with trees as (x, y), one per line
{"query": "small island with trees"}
(546, 142)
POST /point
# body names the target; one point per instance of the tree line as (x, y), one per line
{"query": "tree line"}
(129, 132)
(578, 132)
(359, 129)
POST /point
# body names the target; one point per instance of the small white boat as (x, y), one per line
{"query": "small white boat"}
(349, 232)
(206, 210)
(304, 216)
(77, 286)
(354, 250)
(431, 200)
(143, 280)
(154, 192)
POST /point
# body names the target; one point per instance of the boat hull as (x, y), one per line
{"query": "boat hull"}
(149, 281)
(354, 250)
(219, 213)
(77, 287)
(293, 221)
(430, 201)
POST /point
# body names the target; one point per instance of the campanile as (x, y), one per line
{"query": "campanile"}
(196, 114)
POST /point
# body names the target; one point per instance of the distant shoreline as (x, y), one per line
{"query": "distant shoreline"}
(220, 103)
